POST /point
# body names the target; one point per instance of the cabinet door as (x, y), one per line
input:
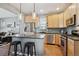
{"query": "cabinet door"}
(49, 21)
(61, 20)
(57, 39)
(54, 39)
(76, 46)
(70, 49)
(77, 20)
(66, 16)
(52, 21)
(73, 9)
(55, 21)
(64, 22)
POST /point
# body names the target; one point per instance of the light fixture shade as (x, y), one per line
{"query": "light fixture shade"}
(20, 16)
(33, 15)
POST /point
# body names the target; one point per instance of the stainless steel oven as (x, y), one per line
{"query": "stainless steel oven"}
(64, 44)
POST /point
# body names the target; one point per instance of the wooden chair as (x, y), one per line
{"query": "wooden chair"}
(4, 49)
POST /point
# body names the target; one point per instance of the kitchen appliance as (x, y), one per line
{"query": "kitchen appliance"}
(71, 21)
(50, 39)
(75, 32)
(64, 44)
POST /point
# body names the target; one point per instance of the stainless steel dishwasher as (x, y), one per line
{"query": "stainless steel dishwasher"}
(50, 39)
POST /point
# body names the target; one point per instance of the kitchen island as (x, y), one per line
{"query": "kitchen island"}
(37, 38)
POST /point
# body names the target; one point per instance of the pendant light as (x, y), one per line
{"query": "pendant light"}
(20, 15)
(34, 14)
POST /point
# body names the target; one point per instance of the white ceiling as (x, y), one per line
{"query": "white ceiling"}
(27, 8)
(5, 13)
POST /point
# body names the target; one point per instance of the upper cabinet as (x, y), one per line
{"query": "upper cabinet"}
(61, 20)
(55, 21)
(72, 9)
(69, 12)
(66, 14)
(77, 12)
(52, 21)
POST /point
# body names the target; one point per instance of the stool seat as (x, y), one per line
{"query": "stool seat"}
(29, 44)
(16, 42)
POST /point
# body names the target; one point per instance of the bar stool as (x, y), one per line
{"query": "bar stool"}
(16, 43)
(30, 48)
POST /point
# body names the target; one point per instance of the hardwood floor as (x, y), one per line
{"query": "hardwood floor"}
(52, 50)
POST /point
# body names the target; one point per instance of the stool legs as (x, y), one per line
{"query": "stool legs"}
(15, 44)
(30, 50)
(27, 50)
(9, 50)
(15, 50)
(21, 47)
(34, 50)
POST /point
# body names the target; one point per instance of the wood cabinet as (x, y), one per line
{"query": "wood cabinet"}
(77, 14)
(69, 12)
(72, 47)
(72, 9)
(61, 20)
(66, 14)
(52, 21)
(58, 39)
(56, 21)
(70, 50)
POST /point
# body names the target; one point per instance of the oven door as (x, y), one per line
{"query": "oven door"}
(62, 42)
(64, 45)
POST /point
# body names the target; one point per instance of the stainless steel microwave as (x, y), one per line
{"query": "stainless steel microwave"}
(71, 21)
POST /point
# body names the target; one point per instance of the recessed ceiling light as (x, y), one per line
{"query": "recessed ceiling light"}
(57, 8)
(41, 10)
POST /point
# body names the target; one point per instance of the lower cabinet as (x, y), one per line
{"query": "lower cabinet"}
(72, 47)
(58, 39)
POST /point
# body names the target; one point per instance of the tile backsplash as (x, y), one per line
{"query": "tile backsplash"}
(69, 29)
(54, 30)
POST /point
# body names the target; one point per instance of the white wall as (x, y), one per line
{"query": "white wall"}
(17, 27)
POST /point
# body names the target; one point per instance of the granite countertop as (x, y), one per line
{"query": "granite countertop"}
(34, 36)
(49, 33)
(76, 38)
